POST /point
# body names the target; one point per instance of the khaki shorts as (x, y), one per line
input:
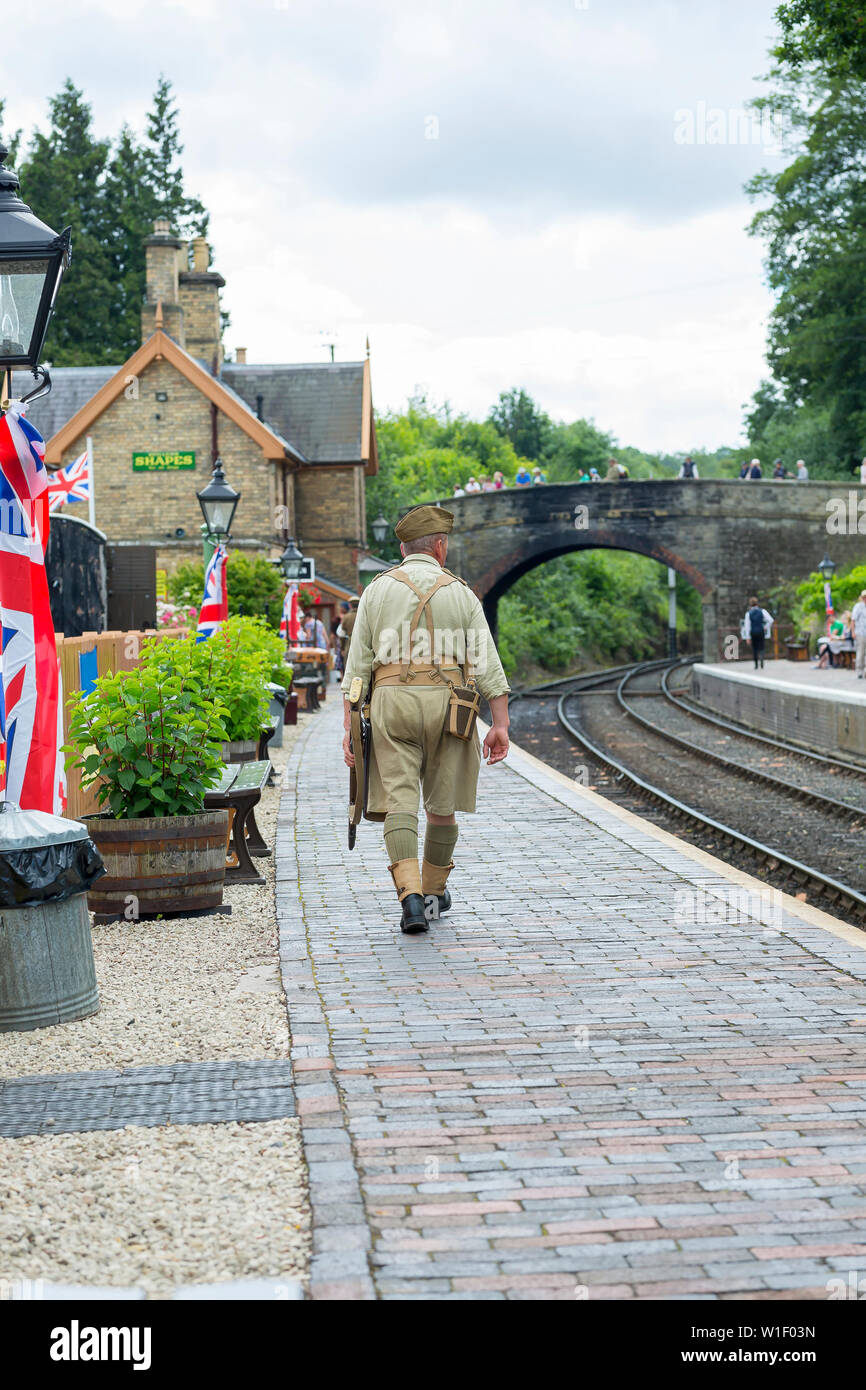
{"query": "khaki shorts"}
(411, 750)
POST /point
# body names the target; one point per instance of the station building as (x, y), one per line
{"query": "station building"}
(297, 441)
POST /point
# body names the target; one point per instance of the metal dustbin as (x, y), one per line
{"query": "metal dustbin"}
(277, 710)
(47, 864)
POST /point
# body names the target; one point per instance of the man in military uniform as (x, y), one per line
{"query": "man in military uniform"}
(412, 669)
(347, 621)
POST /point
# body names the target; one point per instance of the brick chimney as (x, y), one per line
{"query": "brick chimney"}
(241, 357)
(198, 292)
(163, 255)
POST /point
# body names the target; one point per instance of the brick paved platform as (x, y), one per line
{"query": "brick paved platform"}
(614, 1070)
(823, 710)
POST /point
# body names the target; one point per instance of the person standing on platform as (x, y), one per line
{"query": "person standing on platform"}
(858, 623)
(347, 622)
(420, 636)
(756, 628)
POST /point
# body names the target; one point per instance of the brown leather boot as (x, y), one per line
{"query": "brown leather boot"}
(433, 880)
(407, 881)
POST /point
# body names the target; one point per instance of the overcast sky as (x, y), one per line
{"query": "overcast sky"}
(498, 192)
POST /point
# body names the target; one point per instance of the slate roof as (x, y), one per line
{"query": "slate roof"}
(315, 409)
(71, 388)
(318, 406)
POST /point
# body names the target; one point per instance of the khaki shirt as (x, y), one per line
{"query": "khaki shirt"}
(384, 617)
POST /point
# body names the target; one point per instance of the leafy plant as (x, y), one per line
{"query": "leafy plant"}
(254, 586)
(150, 738)
(232, 667)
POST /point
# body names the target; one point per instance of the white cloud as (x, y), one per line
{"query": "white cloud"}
(555, 235)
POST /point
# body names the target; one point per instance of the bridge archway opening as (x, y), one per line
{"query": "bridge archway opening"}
(653, 620)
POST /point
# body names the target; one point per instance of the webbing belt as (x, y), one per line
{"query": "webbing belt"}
(391, 673)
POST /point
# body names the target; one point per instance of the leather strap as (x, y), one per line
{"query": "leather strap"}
(425, 596)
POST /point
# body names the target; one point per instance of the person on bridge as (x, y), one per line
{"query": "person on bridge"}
(688, 468)
(858, 623)
(802, 471)
(756, 628)
(523, 477)
(863, 473)
(417, 738)
(779, 469)
(754, 472)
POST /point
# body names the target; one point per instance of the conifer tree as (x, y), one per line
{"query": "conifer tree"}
(62, 179)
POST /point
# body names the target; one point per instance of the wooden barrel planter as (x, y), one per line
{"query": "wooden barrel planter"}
(244, 750)
(166, 864)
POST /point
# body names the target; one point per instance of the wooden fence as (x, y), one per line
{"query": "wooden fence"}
(82, 659)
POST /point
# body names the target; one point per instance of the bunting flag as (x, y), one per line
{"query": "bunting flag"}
(289, 622)
(71, 484)
(28, 653)
(215, 607)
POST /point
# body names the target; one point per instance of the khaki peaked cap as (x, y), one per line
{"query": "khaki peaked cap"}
(423, 521)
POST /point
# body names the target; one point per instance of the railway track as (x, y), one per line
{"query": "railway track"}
(800, 831)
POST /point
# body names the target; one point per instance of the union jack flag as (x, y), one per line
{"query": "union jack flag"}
(215, 607)
(289, 622)
(28, 664)
(71, 484)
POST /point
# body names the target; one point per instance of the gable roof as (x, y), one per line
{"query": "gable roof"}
(71, 388)
(160, 345)
(326, 407)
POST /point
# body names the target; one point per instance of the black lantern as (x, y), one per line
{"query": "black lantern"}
(32, 262)
(380, 528)
(291, 562)
(218, 502)
(827, 568)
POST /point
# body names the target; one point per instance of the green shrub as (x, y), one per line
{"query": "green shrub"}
(233, 667)
(151, 736)
(255, 587)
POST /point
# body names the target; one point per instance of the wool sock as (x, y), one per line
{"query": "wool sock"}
(439, 843)
(401, 836)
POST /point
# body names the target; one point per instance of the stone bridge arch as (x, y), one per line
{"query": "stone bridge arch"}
(727, 538)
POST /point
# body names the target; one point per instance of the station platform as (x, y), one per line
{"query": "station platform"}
(617, 1069)
(823, 710)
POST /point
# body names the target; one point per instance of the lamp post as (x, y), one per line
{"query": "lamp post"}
(828, 569)
(380, 528)
(218, 502)
(291, 562)
(32, 261)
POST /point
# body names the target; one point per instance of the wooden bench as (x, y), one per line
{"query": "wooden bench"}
(240, 790)
(845, 658)
(797, 648)
(309, 687)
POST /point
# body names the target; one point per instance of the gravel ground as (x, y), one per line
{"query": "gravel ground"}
(186, 989)
(155, 1208)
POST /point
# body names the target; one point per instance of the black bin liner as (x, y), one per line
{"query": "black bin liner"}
(48, 873)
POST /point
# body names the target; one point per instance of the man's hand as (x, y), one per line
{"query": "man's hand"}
(496, 744)
(348, 755)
